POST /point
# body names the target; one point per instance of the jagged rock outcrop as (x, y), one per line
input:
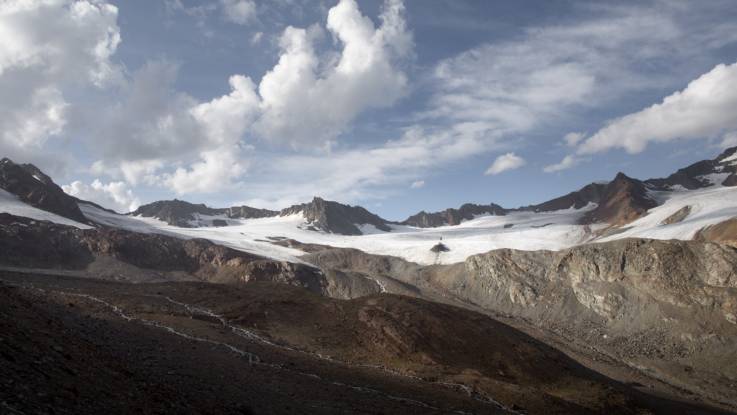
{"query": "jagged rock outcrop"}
(37, 189)
(186, 215)
(667, 306)
(614, 280)
(334, 217)
(453, 216)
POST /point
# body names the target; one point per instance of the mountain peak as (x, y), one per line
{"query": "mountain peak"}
(335, 217)
(183, 214)
(32, 186)
(453, 216)
(621, 176)
(623, 200)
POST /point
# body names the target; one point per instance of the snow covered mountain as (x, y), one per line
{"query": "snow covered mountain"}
(697, 202)
(453, 216)
(33, 187)
(188, 215)
(319, 215)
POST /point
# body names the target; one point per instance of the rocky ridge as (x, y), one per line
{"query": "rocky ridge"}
(452, 216)
(186, 215)
(334, 217)
(37, 189)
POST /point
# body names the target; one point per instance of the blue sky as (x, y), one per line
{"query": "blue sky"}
(395, 105)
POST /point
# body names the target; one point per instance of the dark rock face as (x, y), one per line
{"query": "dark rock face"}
(624, 199)
(337, 218)
(453, 216)
(591, 193)
(36, 244)
(38, 190)
(180, 213)
(691, 177)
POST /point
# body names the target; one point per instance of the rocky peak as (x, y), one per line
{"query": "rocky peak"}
(696, 176)
(623, 200)
(37, 189)
(180, 213)
(453, 216)
(591, 193)
(335, 217)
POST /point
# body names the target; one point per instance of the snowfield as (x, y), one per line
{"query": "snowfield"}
(517, 230)
(708, 206)
(521, 230)
(9, 203)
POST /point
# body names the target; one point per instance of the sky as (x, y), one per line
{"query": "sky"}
(398, 106)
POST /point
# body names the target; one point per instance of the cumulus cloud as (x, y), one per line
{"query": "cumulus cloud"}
(46, 48)
(704, 109)
(417, 184)
(306, 101)
(239, 11)
(217, 170)
(151, 119)
(567, 162)
(114, 195)
(509, 161)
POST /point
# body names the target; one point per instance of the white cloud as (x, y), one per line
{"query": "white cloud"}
(226, 118)
(239, 11)
(417, 184)
(567, 162)
(307, 101)
(256, 38)
(114, 195)
(359, 173)
(216, 171)
(704, 109)
(729, 140)
(573, 138)
(47, 48)
(509, 161)
(542, 77)
(151, 121)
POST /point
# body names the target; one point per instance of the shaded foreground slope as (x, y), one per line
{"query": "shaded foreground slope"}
(379, 354)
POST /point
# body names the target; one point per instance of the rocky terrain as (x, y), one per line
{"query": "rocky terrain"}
(35, 188)
(666, 308)
(450, 217)
(627, 326)
(337, 218)
(186, 215)
(268, 348)
(693, 176)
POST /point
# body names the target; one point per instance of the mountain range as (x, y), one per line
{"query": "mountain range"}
(620, 297)
(615, 203)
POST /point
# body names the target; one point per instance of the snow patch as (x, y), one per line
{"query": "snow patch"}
(9, 203)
